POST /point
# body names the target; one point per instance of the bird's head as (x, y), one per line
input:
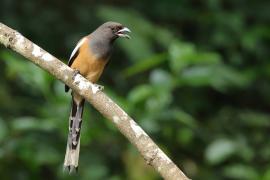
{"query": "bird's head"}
(113, 30)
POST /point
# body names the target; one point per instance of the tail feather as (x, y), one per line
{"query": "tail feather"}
(73, 143)
(72, 159)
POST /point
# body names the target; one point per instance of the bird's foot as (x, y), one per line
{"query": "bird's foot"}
(96, 88)
(76, 71)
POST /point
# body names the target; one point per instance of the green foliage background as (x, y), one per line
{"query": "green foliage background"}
(195, 76)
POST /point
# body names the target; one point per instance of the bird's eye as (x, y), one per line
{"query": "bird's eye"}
(114, 29)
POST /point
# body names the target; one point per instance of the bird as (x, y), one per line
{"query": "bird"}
(88, 58)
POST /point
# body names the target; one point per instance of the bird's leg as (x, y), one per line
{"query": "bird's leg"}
(76, 71)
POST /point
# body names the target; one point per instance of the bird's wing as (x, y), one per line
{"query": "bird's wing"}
(75, 51)
(73, 56)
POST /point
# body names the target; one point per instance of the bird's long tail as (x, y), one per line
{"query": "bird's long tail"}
(73, 142)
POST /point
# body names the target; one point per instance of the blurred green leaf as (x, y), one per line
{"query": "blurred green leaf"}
(183, 117)
(30, 123)
(184, 54)
(240, 171)
(145, 64)
(219, 151)
(140, 93)
(150, 125)
(3, 130)
(20, 69)
(161, 79)
(255, 119)
(47, 155)
(158, 102)
(266, 175)
(179, 55)
(97, 171)
(219, 77)
(185, 136)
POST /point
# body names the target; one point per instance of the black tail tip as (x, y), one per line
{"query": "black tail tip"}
(71, 169)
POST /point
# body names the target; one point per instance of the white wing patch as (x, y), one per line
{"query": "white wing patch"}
(77, 47)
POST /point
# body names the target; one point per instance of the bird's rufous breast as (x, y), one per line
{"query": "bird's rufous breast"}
(89, 65)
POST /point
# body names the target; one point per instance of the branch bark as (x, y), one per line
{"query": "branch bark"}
(151, 153)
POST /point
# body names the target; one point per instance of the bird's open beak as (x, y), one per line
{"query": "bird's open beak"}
(123, 32)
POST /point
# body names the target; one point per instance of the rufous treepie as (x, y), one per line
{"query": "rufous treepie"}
(88, 59)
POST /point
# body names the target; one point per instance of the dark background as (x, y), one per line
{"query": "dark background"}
(195, 76)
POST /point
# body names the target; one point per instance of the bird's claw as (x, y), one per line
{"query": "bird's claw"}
(76, 71)
(96, 88)
(99, 87)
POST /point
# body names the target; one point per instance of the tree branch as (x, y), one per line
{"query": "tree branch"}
(127, 126)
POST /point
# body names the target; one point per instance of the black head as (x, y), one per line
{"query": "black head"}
(112, 30)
